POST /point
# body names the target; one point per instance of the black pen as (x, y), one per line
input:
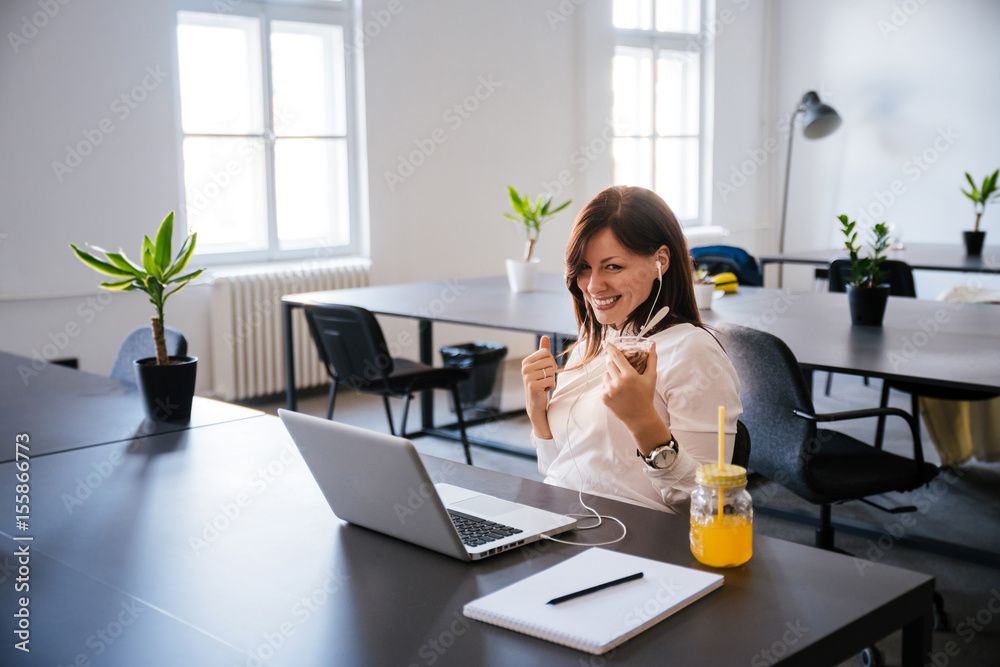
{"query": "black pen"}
(594, 589)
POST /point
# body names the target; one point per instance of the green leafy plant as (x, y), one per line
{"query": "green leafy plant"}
(866, 271)
(982, 195)
(532, 216)
(155, 276)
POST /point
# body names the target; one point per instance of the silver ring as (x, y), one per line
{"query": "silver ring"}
(545, 373)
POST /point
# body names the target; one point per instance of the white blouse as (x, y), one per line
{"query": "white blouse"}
(592, 450)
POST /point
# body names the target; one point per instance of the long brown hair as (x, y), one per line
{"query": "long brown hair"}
(641, 222)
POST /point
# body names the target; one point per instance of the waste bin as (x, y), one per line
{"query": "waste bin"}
(480, 394)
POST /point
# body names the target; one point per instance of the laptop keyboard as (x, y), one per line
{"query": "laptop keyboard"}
(475, 531)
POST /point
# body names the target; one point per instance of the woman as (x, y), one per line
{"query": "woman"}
(606, 428)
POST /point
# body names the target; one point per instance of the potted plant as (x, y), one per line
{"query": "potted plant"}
(704, 288)
(980, 197)
(166, 383)
(521, 272)
(867, 295)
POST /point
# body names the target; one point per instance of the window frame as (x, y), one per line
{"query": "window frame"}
(344, 13)
(701, 43)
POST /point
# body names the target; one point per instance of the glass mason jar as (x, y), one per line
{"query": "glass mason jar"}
(721, 538)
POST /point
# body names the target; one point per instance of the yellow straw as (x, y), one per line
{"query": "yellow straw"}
(722, 435)
(722, 454)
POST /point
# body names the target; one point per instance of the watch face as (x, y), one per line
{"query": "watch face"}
(663, 456)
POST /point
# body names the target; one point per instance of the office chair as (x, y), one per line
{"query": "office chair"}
(353, 350)
(899, 276)
(901, 283)
(722, 258)
(741, 448)
(139, 345)
(819, 465)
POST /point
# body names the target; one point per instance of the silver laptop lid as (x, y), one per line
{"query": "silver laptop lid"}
(374, 480)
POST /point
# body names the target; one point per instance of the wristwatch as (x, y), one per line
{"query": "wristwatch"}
(663, 456)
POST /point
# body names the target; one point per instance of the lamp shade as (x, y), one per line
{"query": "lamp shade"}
(818, 119)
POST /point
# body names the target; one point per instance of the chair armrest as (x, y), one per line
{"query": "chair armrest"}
(911, 421)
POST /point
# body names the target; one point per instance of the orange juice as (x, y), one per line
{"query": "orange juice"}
(721, 541)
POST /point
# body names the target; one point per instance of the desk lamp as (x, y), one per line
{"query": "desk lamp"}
(818, 121)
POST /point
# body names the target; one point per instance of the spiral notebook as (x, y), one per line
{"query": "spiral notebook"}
(599, 621)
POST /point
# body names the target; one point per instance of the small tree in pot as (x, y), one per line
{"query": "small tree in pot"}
(531, 217)
(158, 276)
(866, 293)
(980, 197)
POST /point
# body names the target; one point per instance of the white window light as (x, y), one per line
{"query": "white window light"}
(660, 84)
(269, 133)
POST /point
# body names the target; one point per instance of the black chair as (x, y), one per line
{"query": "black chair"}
(741, 448)
(819, 465)
(901, 283)
(899, 277)
(353, 350)
(139, 345)
(722, 258)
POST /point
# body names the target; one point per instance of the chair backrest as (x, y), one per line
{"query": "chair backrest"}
(900, 276)
(139, 345)
(741, 448)
(721, 258)
(771, 387)
(351, 345)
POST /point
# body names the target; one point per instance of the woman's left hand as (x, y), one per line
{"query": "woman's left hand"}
(628, 394)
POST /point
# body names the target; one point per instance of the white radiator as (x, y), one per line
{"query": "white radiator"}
(247, 331)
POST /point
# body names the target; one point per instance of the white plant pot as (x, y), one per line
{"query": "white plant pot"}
(703, 295)
(521, 274)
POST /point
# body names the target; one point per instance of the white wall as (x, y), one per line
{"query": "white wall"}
(746, 132)
(520, 128)
(552, 98)
(911, 80)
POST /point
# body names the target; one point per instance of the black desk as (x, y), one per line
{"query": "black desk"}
(62, 409)
(963, 351)
(486, 302)
(933, 342)
(276, 574)
(920, 256)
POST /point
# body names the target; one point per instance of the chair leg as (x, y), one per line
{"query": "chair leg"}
(333, 399)
(461, 423)
(406, 410)
(824, 534)
(829, 383)
(388, 413)
(884, 402)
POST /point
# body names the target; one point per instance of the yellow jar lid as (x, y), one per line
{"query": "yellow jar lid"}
(727, 476)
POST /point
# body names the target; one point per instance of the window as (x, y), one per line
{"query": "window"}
(659, 102)
(269, 135)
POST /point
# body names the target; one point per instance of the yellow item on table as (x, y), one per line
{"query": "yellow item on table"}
(725, 281)
(721, 515)
(722, 541)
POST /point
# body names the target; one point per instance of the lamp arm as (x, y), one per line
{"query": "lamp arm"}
(788, 173)
(784, 200)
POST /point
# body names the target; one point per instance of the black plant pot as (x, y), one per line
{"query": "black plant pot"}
(974, 243)
(867, 304)
(167, 391)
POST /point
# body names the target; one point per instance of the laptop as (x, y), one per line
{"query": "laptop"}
(378, 481)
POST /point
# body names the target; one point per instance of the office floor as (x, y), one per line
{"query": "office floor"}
(963, 507)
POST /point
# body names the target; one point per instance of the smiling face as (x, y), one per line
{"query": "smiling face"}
(614, 280)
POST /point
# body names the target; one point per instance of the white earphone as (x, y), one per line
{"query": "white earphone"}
(659, 270)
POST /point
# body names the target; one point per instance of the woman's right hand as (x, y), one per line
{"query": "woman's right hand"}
(538, 373)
